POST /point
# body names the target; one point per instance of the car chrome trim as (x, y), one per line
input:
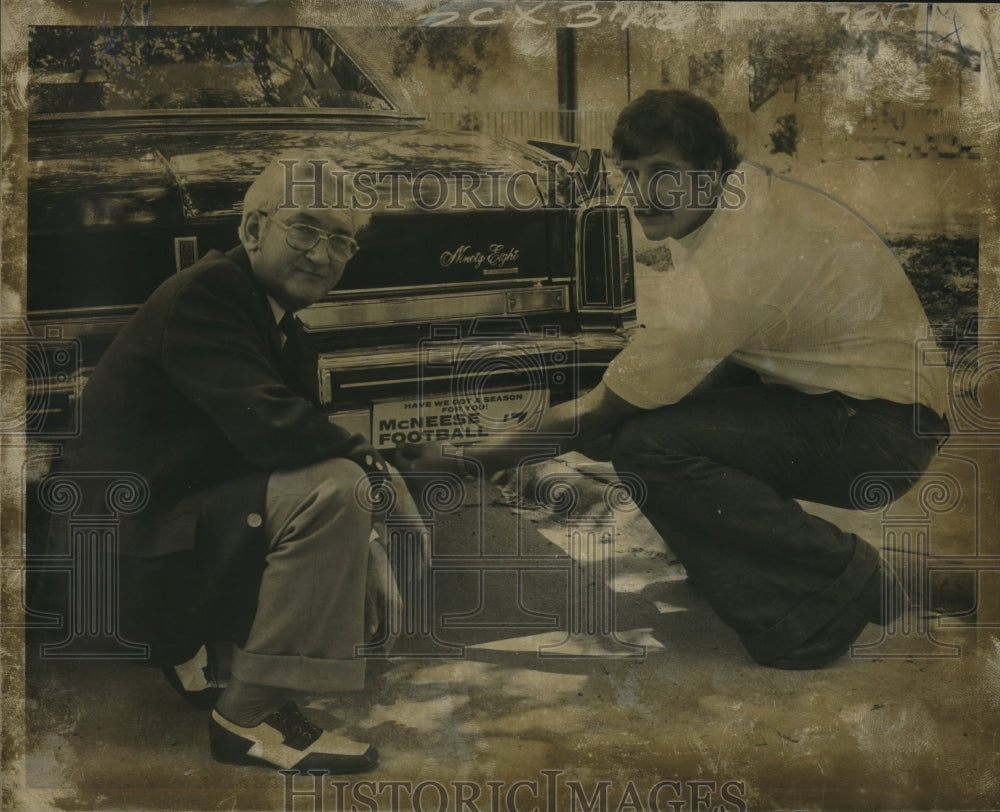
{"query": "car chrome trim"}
(526, 281)
(211, 118)
(97, 321)
(331, 315)
(446, 351)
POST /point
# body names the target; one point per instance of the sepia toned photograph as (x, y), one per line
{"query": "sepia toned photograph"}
(490, 405)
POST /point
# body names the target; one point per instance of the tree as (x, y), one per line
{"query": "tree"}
(786, 137)
(781, 56)
(463, 52)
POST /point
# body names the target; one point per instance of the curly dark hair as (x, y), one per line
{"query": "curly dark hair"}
(674, 117)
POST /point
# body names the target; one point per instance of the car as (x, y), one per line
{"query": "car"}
(494, 279)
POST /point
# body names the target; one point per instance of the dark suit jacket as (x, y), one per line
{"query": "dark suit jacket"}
(196, 397)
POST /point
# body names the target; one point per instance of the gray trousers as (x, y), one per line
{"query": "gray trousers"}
(310, 614)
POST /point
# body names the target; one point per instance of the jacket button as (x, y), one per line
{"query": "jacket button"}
(255, 520)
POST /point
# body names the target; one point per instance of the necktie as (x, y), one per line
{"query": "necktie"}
(288, 328)
(298, 362)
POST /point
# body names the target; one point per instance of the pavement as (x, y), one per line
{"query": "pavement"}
(563, 662)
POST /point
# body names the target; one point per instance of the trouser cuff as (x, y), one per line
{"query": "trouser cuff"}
(811, 615)
(298, 673)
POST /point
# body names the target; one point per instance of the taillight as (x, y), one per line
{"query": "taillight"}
(626, 276)
(607, 281)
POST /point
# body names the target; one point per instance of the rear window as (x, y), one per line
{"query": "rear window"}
(92, 69)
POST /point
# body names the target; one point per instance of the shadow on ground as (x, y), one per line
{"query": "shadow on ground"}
(600, 717)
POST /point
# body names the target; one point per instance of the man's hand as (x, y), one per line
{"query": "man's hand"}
(383, 603)
(406, 511)
(574, 424)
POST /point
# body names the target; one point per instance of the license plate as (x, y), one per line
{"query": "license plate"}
(456, 419)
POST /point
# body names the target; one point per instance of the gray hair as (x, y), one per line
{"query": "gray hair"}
(271, 190)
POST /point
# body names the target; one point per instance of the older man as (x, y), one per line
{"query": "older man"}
(797, 295)
(254, 533)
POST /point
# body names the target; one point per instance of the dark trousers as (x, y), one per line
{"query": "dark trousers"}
(723, 468)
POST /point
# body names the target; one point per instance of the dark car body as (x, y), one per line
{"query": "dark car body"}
(492, 271)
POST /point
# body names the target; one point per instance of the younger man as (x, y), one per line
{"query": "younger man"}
(797, 294)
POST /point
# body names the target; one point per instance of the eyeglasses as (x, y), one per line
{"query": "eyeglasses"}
(303, 237)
